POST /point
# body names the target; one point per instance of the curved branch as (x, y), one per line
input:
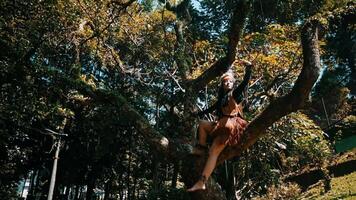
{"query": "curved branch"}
(237, 24)
(157, 141)
(218, 68)
(223, 64)
(291, 102)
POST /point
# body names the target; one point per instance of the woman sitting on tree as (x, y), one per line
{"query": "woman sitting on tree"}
(228, 128)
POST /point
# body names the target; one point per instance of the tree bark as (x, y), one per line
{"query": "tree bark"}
(192, 167)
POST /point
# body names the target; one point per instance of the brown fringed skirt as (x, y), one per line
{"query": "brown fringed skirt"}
(229, 129)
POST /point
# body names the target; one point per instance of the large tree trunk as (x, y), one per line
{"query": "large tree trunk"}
(191, 171)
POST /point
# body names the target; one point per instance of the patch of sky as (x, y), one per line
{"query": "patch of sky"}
(196, 4)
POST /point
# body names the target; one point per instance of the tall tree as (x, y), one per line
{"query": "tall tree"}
(125, 79)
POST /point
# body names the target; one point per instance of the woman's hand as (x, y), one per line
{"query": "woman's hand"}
(245, 62)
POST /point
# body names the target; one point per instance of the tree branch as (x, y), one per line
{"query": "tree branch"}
(237, 24)
(291, 102)
(222, 65)
(157, 142)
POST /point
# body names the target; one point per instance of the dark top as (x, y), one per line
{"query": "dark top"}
(237, 93)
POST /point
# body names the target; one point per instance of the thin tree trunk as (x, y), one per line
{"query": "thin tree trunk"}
(175, 174)
(90, 186)
(134, 187)
(35, 185)
(24, 185)
(66, 192)
(107, 190)
(31, 190)
(76, 192)
(230, 186)
(121, 186)
(129, 171)
(156, 183)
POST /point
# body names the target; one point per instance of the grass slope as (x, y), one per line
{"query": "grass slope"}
(343, 187)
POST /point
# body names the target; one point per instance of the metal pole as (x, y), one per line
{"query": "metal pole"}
(54, 171)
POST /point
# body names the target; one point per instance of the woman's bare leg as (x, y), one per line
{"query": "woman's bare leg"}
(205, 128)
(214, 153)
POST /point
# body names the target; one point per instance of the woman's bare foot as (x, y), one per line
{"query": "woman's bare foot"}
(200, 185)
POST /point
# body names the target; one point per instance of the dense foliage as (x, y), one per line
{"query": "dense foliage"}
(71, 65)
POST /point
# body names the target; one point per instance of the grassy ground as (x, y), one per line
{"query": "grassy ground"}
(343, 187)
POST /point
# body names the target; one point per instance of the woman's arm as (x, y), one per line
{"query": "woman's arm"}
(237, 93)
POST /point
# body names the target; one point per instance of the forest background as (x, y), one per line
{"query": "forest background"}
(124, 78)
